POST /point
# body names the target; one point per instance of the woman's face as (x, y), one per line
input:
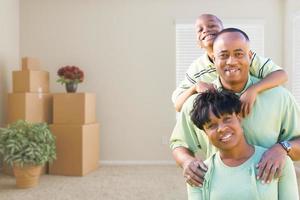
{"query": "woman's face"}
(224, 132)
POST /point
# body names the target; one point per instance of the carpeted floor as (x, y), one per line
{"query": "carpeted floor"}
(107, 183)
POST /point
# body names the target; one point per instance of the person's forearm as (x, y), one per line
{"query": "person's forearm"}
(294, 153)
(181, 155)
(274, 79)
(183, 97)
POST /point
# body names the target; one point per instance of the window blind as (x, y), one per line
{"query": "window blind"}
(296, 59)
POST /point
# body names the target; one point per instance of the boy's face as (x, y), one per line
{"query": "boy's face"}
(225, 132)
(207, 27)
(232, 57)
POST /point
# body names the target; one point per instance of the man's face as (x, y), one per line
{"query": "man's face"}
(207, 27)
(232, 58)
(224, 132)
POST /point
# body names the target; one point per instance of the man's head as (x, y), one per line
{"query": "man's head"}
(207, 27)
(232, 57)
(218, 114)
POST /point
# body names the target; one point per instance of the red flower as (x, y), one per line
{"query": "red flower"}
(70, 74)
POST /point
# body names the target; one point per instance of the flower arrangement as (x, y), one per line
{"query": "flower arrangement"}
(70, 74)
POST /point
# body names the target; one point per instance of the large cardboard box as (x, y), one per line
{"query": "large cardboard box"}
(77, 149)
(74, 108)
(30, 63)
(31, 107)
(31, 81)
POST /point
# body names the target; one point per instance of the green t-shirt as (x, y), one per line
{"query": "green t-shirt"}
(275, 117)
(202, 69)
(239, 183)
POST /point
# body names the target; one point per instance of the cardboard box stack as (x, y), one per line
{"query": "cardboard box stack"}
(77, 134)
(30, 99)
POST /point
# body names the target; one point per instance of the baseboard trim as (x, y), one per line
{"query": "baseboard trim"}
(137, 162)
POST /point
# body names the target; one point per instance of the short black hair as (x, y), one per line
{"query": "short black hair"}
(211, 15)
(219, 102)
(232, 30)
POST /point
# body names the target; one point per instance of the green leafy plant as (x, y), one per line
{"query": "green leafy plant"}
(24, 143)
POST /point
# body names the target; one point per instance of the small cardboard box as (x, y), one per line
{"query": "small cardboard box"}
(74, 108)
(77, 149)
(31, 107)
(30, 63)
(31, 81)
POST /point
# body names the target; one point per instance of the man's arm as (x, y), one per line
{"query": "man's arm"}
(272, 161)
(273, 79)
(184, 142)
(193, 169)
(196, 88)
(294, 153)
(183, 97)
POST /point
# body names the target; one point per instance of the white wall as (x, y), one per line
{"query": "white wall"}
(127, 50)
(9, 49)
(291, 9)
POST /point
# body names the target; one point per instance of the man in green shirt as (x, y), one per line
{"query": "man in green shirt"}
(202, 71)
(273, 122)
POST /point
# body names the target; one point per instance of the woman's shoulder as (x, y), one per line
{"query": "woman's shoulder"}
(260, 149)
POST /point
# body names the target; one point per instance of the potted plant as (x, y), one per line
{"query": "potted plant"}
(70, 76)
(27, 147)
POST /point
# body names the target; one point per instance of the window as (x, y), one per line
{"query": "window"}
(296, 59)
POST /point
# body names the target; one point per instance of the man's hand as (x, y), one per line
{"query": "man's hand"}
(201, 86)
(271, 164)
(248, 99)
(194, 171)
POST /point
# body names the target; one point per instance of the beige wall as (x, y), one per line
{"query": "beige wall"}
(9, 48)
(127, 50)
(291, 9)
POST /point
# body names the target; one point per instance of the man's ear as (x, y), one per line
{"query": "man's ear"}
(250, 54)
(213, 58)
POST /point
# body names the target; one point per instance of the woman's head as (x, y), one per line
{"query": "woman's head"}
(218, 114)
(217, 102)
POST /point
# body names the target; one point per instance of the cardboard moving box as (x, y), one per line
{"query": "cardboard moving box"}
(31, 107)
(74, 108)
(31, 81)
(77, 149)
(30, 63)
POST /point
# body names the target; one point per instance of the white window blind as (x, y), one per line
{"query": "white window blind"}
(187, 50)
(296, 59)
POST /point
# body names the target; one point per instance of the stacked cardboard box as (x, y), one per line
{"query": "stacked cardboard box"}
(77, 134)
(30, 99)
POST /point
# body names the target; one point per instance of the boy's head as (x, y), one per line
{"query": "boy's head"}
(207, 27)
(214, 102)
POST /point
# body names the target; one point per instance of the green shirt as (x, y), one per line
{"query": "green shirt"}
(203, 69)
(236, 183)
(275, 117)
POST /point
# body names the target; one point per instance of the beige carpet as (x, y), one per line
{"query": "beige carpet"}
(107, 183)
